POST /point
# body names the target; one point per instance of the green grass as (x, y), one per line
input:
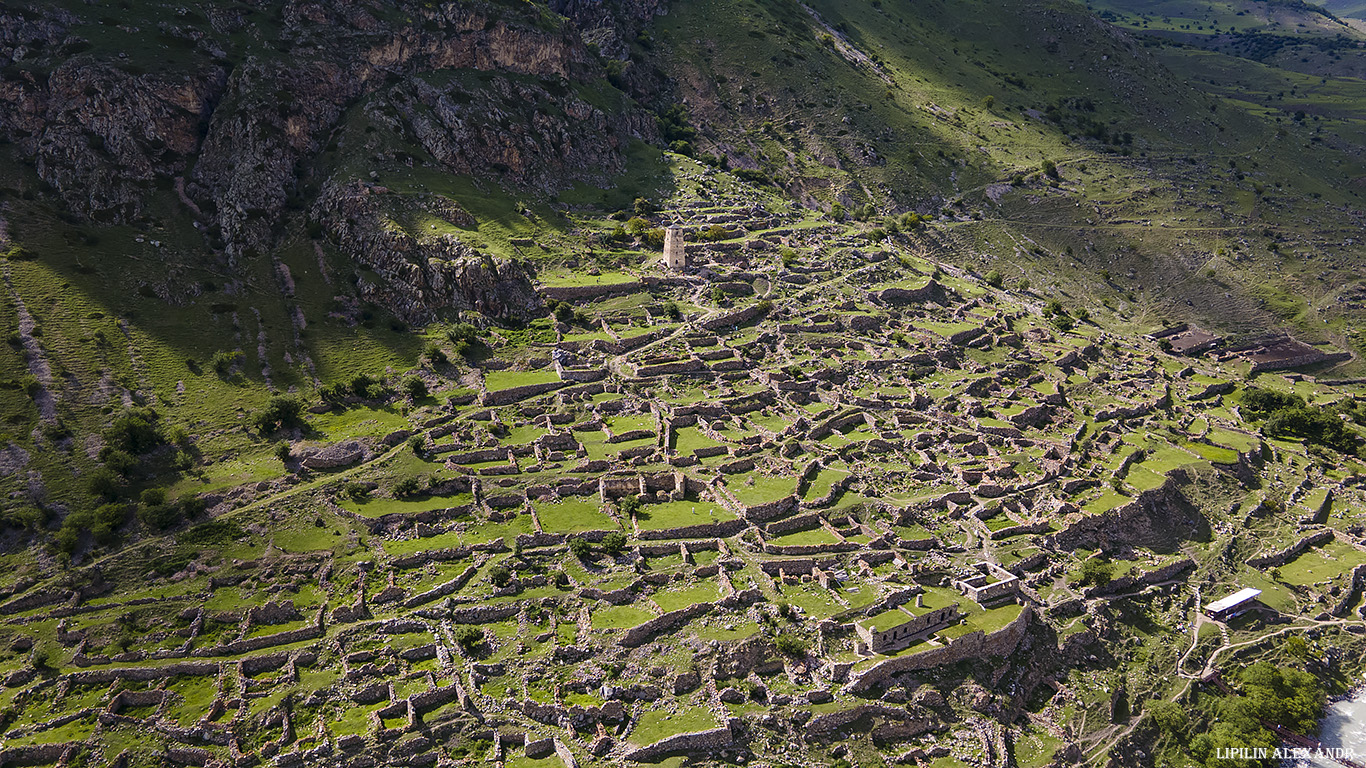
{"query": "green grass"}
(809, 536)
(680, 514)
(1326, 563)
(620, 617)
(1107, 501)
(500, 380)
(573, 515)
(763, 490)
(681, 597)
(378, 506)
(656, 724)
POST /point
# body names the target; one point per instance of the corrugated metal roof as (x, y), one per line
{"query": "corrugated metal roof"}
(1237, 598)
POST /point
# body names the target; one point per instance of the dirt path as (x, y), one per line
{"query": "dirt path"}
(1109, 738)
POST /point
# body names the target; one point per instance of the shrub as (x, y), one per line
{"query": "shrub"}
(135, 431)
(281, 412)
(580, 548)
(629, 505)
(468, 637)
(1260, 402)
(1298, 647)
(465, 338)
(218, 531)
(418, 443)
(103, 482)
(121, 462)
(356, 491)
(500, 576)
(432, 354)
(614, 543)
(333, 393)
(415, 388)
(994, 279)
(159, 516)
(408, 486)
(178, 435)
(366, 388)
(790, 645)
(223, 363)
(1097, 571)
(713, 233)
(282, 452)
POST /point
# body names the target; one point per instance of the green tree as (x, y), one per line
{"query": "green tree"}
(614, 543)
(1169, 717)
(629, 505)
(281, 412)
(415, 388)
(468, 638)
(1097, 571)
(790, 645)
(580, 548)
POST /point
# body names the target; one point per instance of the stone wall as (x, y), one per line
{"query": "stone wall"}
(1130, 583)
(690, 365)
(513, 394)
(1289, 553)
(773, 509)
(796, 523)
(580, 292)
(700, 741)
(810, 549)
(732, 318)
(37, 754)
(930, 292)
(824, 726)
(483, 614)
(1350, 590)
(1309, 358)
(642, 634)
(975, 645)
(1015, 530)
(797, 565)
(442, 590)
(704, 530)
(1156, 517)
(142, 674)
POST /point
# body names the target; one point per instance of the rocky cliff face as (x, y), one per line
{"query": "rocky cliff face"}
(236, 122)
(421, 276)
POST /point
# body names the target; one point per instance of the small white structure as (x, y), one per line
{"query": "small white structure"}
(675, 251)
(1234, 604)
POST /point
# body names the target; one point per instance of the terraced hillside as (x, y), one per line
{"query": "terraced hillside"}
(744, 513)
(352, 417)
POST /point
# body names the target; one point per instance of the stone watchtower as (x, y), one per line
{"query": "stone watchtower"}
(675, 252)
